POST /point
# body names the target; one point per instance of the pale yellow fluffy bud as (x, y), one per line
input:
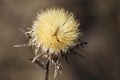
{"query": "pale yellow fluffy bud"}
(53, 33)
(55, 30)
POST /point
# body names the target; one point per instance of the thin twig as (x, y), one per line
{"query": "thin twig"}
(47, 70)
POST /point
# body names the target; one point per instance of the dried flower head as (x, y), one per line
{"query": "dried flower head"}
(53, 33)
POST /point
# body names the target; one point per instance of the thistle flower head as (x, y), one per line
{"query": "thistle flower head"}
(53, 33)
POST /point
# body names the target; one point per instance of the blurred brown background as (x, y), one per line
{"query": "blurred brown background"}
(100, 23)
